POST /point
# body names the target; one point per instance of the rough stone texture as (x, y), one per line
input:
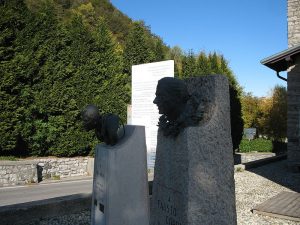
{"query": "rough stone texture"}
(62, 167)
(120, 187)
(293, 123)
(90, 167)
(293, 22)
(193, 176)
(18, 172)
(33, 171)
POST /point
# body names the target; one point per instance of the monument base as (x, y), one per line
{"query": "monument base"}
(120, 185)
(193, 175)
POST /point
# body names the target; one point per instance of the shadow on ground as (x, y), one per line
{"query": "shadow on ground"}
(278, 172)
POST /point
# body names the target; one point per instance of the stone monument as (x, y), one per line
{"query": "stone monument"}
(120, 182)
(193, 176)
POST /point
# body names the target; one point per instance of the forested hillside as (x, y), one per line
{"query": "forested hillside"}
(57, 56)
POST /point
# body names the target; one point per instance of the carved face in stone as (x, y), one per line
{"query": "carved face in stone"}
(171, 97)
(163, 102)
(90, 117)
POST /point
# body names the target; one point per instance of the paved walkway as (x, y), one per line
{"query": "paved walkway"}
(44, 190)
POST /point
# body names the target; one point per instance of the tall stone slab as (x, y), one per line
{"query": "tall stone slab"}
(143, 111)
(120, 185)
(193, 176)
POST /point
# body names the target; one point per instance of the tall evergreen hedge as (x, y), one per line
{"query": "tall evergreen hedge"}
(55, 70)
(58, 56)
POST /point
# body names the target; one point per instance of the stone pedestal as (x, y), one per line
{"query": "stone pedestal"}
(193, 177)
(120, 187)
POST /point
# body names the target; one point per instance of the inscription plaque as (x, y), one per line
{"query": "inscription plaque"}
(143, 111)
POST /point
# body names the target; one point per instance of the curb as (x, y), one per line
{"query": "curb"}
(66, 179)
(258, 163)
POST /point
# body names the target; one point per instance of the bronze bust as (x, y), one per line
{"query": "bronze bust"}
(107, 127)
(179, 109)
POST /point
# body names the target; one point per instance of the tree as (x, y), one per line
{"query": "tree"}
(136, 49)
(12, 88)
(87, 13)
(159, 50)
(202, 64)
(267, 114)
(215, 63)
(250, 110)
(237, 123)
(176, 54)
(54, 71)
(225, 69)
(188, 65)
(88, 71)
(275, 120)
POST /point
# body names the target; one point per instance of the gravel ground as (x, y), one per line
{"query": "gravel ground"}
(252, 188)
(257, 185)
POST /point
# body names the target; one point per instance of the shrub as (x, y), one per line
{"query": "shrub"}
(237, 123)
(259, 145)
(10, 158)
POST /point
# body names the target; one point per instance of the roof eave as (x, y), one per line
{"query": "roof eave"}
(280, 61)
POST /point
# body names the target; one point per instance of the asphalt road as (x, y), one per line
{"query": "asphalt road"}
(22, 194)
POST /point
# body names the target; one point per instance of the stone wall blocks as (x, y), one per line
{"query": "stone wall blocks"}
(15, 173)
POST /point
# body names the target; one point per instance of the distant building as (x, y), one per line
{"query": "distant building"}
(289, 60)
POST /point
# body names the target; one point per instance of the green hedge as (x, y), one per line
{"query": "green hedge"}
(49, 71)
(259, 145)
(9, 158)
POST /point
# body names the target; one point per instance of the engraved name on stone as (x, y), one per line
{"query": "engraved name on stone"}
(168, 207)
(170, 212)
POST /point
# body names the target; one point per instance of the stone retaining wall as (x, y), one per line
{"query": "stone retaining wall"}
(36, 170)
(18, 172)
(62, 167)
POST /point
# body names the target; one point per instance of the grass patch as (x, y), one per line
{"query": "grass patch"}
(9, 158)
(239, 169)
(258, 145)
(55, 177)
